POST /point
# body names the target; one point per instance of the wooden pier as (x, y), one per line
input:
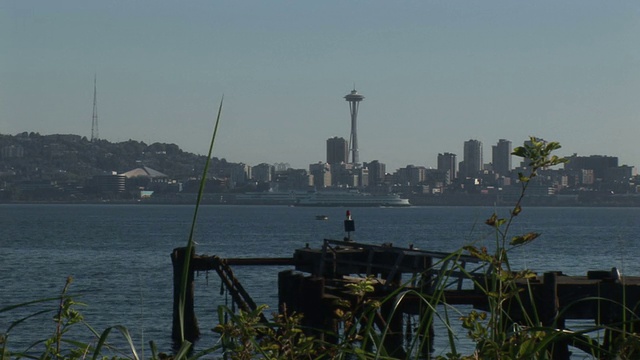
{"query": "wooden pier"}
(321, 276)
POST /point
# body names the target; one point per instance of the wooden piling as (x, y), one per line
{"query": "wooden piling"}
(612, 308)
(425, 329)
(188, 328)
(393, 339)
(549, 310)
(393, 315)
(289, 284)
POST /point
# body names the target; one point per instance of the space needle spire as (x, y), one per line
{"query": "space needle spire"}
(354, 101)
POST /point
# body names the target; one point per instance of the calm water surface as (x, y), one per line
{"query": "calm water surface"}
(118, 255)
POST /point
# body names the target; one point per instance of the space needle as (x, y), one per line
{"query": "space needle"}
(354, 101)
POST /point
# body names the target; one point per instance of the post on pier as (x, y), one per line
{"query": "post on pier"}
(426, 331)
(392, 314)
(549, 310)
(189, 323)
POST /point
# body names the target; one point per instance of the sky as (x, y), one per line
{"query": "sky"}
(434, 75)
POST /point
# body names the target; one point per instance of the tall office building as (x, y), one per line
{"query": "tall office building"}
(600, 164)
(239, 174)
(447, 162)
(337, 150)
(262, 172)
(354, 103)
(321, 173)
(410, 175)
(377, 171)
(501, 157)
(472, 162)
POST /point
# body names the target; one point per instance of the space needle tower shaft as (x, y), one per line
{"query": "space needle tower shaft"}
(354, 101)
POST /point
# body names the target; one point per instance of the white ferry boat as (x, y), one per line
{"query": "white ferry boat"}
(351, 198)
(270, 198)
(320, 198)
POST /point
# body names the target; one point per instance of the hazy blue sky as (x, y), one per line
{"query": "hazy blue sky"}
(434, 73)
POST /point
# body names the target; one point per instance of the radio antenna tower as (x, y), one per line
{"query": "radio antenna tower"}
(94, 118)
(354, 101)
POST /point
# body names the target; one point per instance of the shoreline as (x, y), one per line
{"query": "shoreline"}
(623, 201)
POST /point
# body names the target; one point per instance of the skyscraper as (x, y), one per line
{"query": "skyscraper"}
(354, 101)
(501, 157)
(447, 162)
(321, 173)
(262, 172)
(377, 172)
(337, 150)
(600, 164)
(472, 162)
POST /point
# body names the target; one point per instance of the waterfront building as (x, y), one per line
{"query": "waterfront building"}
(472, 161)
(239, 174)
(620, 174)
(621, 179)
(587, 176)
(501, 157)
(321, 174)
(281, 167)
(437, 179)
(145, 178)
(377, 171)
(146, 172)
(349, 176)
(292, 180)
(447, 163)
(337, 150)
(598, 163)
(12, 151)
(362, 174)
(112, 183)
(411, 175)
(341, 175)
(262, 172)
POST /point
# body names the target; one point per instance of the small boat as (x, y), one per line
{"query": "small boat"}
(322, 217)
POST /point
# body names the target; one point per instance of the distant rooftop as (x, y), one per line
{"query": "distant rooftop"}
(144, 172)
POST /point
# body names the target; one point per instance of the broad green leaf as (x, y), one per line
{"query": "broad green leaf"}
(519, 240)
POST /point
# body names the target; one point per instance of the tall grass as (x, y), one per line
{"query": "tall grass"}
(190, 242)
(58, 345)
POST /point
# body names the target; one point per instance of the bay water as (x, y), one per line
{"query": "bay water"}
(119, 255)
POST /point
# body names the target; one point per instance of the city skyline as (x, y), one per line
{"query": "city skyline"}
(435, 75)
(336, 148)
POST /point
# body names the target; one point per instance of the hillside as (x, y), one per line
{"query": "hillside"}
(73, 158)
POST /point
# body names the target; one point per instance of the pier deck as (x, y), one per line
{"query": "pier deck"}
(321, 276)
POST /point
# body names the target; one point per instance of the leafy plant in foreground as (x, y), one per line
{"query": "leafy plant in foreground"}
(58, 345)
(495, 333)
(190, 241)
(243, 336)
